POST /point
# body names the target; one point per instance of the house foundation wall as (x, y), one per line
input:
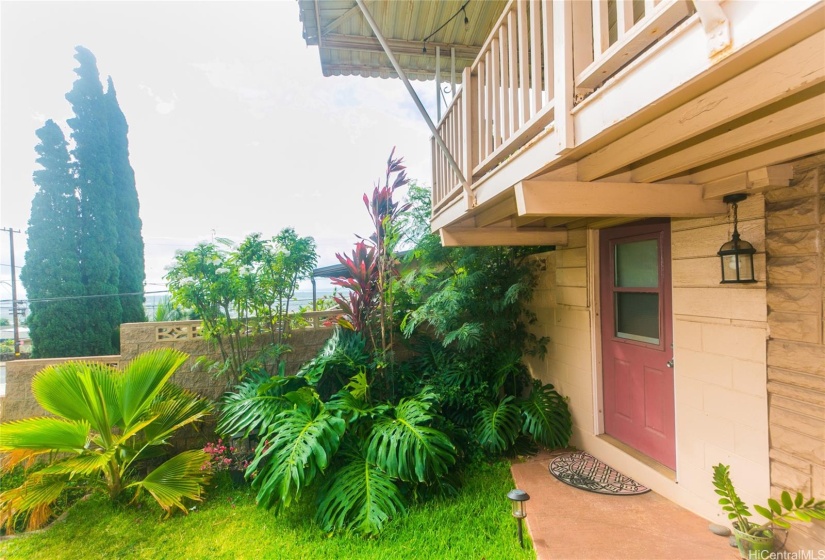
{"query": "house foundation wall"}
(796, 348)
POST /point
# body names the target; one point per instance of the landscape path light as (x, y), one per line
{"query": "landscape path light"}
(519, 500)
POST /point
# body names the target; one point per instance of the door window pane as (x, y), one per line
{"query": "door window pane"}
(637, 264)
(637, 316)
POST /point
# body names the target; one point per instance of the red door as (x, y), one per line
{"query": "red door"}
(637, 336)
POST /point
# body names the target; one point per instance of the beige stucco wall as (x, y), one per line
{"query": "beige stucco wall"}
(561, 303)
(719, 350)
(137, 338)
(796, 349)
(720, 334)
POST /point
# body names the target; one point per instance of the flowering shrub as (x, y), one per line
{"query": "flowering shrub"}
(223, 457)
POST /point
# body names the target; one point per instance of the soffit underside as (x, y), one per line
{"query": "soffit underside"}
(347, 45)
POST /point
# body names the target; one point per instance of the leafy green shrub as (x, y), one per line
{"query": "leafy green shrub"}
(779, 513)
(105, 423)
(372, 435)
(241, 290)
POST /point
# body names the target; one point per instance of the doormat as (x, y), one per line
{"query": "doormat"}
(582, 470)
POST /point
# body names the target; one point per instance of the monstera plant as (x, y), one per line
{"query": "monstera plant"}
(106, 423)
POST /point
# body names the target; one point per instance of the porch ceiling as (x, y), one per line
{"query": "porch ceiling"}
(347, 45)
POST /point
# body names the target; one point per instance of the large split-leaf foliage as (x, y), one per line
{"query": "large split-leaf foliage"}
(107, 423)
(365, 433)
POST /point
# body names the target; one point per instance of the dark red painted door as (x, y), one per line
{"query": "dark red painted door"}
(637, 335)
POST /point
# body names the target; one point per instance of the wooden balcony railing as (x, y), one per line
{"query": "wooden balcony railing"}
(622, 29)
(508, 95)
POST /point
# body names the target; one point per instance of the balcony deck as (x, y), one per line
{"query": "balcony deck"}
(571, 116)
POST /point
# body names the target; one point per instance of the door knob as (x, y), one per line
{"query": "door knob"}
(669, 363)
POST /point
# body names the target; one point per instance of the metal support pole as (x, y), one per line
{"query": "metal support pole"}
(14, 292)
(520, 534)
(314, 294)
(452, 72)
(438, 84)
(440, 141)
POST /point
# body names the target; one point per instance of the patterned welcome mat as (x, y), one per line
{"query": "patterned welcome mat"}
(582, 470)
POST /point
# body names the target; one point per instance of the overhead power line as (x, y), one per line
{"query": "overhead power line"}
(65, 298)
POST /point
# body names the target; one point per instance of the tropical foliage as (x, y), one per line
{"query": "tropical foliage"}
(241, 290)
(779, 513)
(106, 425)
(370, 433)
(364, 453)
(467, 320)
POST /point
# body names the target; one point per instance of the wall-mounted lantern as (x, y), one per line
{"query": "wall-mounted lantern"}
(736, 254)
(519, 500)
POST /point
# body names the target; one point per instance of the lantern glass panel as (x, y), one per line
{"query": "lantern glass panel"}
(519, 510)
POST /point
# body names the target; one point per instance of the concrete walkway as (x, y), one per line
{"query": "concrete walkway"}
(568, 523)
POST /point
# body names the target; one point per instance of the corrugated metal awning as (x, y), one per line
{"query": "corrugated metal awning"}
(347, 45)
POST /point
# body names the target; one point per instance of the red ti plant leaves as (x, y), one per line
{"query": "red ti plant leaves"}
(362, 283)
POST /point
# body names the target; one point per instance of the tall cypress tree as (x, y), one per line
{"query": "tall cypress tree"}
(98, 218)
(52, 266)
(130, 241)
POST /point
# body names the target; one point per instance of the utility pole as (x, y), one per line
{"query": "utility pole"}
(14, 292)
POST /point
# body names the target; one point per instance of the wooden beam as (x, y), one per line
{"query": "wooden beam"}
(729, 185)
(797, 146)
(754, 181)
(526, 221)
(800, 67)
(557, 221)
(771, 176)
(609, 222)
(496, 213)
(780, 124)
(489, 237)
(548, 198)
(371, 44)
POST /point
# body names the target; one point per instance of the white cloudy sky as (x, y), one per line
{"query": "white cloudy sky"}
(233, 129)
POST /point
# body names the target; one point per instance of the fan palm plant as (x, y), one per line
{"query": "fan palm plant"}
(105, 422)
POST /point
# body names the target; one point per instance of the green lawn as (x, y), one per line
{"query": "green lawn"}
(476, 524)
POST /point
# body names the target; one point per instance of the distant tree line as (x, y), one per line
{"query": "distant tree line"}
(84, 268)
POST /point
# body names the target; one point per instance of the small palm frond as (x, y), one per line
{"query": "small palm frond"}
(359, 497)
(546, 416)
(298, 446)
(181, 477)
(174, 408)
(254, 404)
(80, 390)
(497, 426)
(45, 434)
(89, 462)
(32, 499)
(406, 447)
(143, 379)
(468, 335)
